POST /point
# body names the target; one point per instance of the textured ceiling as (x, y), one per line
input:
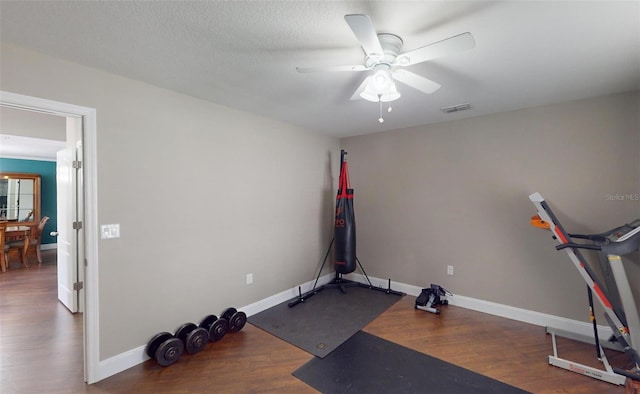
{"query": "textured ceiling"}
(244, 54)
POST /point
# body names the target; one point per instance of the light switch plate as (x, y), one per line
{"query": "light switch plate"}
(109, 231)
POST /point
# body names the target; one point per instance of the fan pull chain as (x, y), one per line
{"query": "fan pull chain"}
(380, 119)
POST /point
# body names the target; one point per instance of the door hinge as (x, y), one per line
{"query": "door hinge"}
(78, 286)
(77, 225)
(76, 164)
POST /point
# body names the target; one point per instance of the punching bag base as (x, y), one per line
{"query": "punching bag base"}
(341, 284)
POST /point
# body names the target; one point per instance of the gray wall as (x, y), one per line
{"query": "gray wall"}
(32, 124)
(204, 195)
(456, 193)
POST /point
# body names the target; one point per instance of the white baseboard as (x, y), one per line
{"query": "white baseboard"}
(120, 362)
(492, 308)
(283, 296)
(531, 317)
(133, 357)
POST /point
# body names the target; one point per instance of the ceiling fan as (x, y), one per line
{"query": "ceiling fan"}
(383, 57)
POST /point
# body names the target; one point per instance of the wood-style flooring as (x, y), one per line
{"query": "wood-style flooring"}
(41, 349)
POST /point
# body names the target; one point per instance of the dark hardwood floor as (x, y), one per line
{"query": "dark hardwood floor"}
(41, 349)
(40, 340)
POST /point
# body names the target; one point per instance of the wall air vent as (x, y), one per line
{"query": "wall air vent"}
(456, 108)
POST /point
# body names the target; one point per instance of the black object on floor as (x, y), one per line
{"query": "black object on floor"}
(322, 324)
(369, 364)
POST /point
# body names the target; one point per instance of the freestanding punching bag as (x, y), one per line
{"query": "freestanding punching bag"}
(345, 231)
(343, 243)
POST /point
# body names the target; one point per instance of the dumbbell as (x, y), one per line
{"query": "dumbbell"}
(235, 318)
(217, 328)
(195, 338)
(165, 348)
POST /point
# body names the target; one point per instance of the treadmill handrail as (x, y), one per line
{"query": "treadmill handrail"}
(579, 246)
(614, 248)
(630, 242)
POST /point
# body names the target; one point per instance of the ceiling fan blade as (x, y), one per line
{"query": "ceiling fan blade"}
(364, 31)
(361, 88)
(415, 81)
(304, 70)
(459, 43)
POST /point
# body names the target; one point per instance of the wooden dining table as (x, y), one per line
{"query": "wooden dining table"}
(17, 233)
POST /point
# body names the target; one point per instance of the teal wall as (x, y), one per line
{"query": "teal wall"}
(48, 199)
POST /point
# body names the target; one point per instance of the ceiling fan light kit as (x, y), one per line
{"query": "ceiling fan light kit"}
(382, 56)
(380, 87)
(381, 81)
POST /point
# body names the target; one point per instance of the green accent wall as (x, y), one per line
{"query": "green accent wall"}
(48, 193)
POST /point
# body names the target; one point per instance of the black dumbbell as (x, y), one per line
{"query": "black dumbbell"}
(165, 348)
(235, 318)
(195, 338)
(217, 328)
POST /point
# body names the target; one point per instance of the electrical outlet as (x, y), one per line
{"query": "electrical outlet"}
(249, 279)
(449, 270)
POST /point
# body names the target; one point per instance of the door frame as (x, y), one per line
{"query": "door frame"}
(90, 193)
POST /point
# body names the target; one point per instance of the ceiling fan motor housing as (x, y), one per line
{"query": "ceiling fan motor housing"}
(391, 45)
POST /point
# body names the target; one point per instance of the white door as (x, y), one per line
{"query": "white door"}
(68, 180)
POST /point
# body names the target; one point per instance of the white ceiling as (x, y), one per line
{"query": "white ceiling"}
(244, 54)
(18, 147)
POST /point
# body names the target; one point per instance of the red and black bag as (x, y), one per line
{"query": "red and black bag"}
(345, 231)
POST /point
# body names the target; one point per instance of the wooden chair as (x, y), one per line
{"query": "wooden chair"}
(34, 242)
(17, 244)
(3, 248)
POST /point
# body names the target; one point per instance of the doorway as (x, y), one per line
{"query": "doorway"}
(86, 244)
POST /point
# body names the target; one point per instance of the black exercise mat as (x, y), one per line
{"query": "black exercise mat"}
(369, 364)
(324, 321)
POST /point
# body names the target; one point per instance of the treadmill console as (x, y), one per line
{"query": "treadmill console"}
(625, 232)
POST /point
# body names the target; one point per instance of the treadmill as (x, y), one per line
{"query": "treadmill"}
(613, 292)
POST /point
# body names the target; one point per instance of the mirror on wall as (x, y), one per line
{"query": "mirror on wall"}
(19, 197)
